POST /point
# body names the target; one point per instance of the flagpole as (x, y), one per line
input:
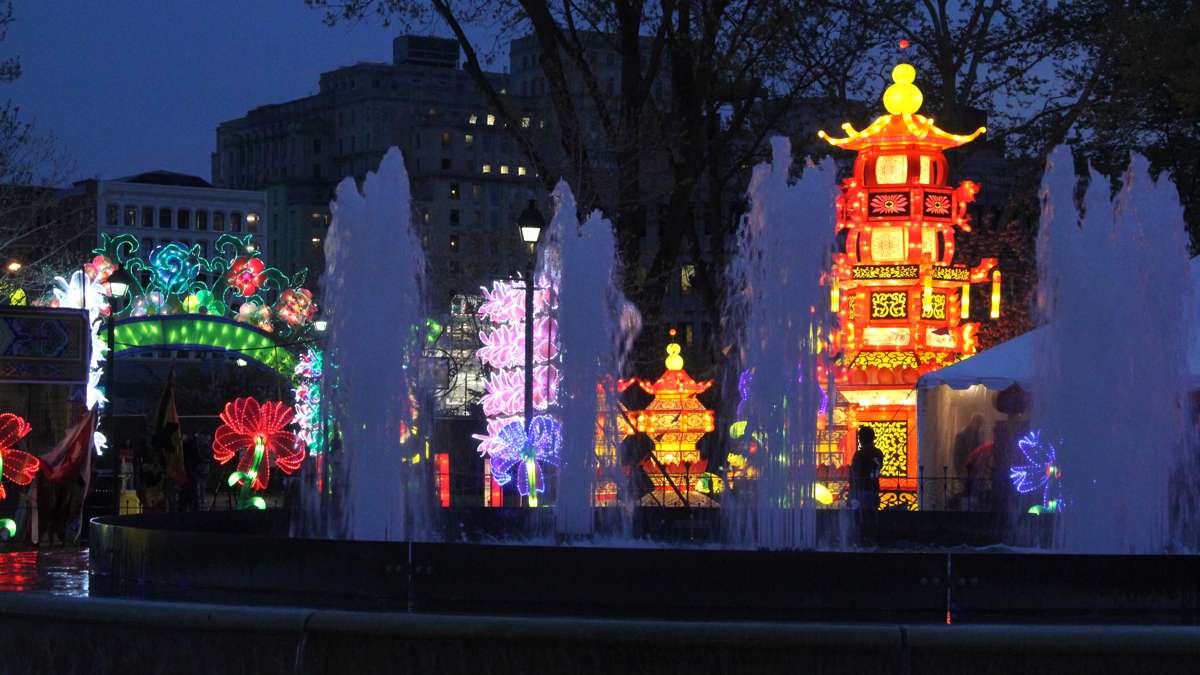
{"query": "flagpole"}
(114, 447)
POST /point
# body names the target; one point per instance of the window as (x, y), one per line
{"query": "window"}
(491, 120)
(445, 164)
(202, 220)
(454, 243)
(445, 138)
(110, 214)
(454, 191)
(475, 191)
(316, 170)
(473, 119)
(889, 244)
(520, 171)
(454, 216)
(219, 221)
(468, 140)
(891, 169)
(687, 279)
(164, 217)
(503, 169)
(487, 168)
(183, 219)
(147, 216)
(316, 146)
(130, 216)
(235, 221)
(252, 222)
(524, 122)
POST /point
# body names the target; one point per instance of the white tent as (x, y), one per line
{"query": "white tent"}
(1000, 367)
(947, 399)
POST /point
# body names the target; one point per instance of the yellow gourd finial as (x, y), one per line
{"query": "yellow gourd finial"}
(903, 97)
(674, 360)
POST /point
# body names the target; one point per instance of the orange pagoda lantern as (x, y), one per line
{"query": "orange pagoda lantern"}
(674, 421)
(903, 304)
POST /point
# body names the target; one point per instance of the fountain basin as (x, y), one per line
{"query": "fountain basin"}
(77, 635)
(246, 557)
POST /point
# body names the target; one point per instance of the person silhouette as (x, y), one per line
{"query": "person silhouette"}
(865, 468)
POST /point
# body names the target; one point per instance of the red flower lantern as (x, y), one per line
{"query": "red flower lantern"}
(99, 269)
(18, 467)
(257, 432)
(295, 306)
(246, 275)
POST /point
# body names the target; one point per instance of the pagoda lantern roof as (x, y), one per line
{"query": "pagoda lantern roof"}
(903, 126)
(675, 382)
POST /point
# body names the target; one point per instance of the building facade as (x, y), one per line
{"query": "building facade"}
(469, 179)
(159, 207)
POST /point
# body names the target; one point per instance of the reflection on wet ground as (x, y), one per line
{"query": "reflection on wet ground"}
(57, 571)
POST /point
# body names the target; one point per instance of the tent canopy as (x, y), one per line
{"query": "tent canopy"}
(1012, 362)
(1001, 366)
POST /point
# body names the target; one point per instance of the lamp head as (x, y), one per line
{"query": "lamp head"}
(118, 282)
(531, 223)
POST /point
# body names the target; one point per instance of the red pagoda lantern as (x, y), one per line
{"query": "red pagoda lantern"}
(902, 302)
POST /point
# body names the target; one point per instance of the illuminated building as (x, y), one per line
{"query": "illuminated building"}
(674, 421)
(903, 305)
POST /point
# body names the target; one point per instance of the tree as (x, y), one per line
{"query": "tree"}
(702, 84)
(44, 228)
(1148, 97)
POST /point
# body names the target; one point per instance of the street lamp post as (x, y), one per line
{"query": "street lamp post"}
(531, 223)
(118, 285)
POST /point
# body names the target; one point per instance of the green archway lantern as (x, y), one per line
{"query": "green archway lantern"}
(209, 333)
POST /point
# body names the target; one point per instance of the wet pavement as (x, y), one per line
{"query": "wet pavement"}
(55, 571)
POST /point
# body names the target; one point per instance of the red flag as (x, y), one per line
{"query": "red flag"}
(71, 454)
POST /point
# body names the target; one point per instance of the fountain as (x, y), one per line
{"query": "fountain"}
(1111, 370)
(584, 260)
(777, 316)
(374, 284)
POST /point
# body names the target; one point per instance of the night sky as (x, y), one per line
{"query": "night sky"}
(134, 85)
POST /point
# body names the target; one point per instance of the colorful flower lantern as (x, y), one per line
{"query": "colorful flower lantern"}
(903, 304)
(175, 267)
(203, 302)
(153, 303)
(521, 456)
(246, 275)
(256, 432)
(255, 314)
(18, 467)
(295, 306)
(1040, 472)
(99, 269)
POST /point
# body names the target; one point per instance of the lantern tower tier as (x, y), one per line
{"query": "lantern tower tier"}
(903, 304)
